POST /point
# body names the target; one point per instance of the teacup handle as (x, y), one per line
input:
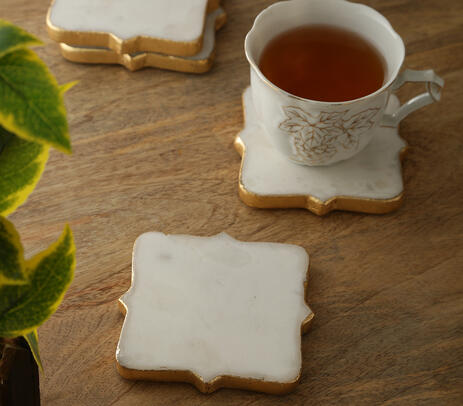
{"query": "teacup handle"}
(434, 85)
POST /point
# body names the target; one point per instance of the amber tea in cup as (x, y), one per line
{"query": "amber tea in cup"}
(323, 63)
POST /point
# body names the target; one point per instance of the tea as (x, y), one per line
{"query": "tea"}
(324, 63)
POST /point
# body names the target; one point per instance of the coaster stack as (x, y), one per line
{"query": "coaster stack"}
(169, 34)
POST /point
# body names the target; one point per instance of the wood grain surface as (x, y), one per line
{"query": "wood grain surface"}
(153, 150)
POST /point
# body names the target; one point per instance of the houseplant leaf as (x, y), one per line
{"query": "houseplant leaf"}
(33, 341)
(13, 38)
(31, 102)
(21, 165)
(50, 272)
(11, 255)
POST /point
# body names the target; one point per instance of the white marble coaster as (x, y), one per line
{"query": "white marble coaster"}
(151, 25)
(215, 312)
(198, 63)
(369, 182)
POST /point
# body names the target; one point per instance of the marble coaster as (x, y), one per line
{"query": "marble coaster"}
(370, 182)
(172, 27)
(199, 63)
(215, 312)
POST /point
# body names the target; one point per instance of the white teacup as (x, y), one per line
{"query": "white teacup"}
(311, 132)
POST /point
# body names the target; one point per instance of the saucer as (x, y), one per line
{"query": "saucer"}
(369, 182)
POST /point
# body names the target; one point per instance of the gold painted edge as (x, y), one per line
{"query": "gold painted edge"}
(315, 205)
(221, 381)
(142, 60)
(132, 45)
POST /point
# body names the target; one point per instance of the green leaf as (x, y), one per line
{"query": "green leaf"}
(13, 38)
(31, 102)
(25, 307)
(21, 166)
(11, 255)
(33, 341)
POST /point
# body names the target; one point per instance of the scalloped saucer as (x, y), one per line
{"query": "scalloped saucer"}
(369, 182)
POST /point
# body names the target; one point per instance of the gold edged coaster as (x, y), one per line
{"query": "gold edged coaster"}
(369, 182)
(172, 27)
(215, 312)
(199, 63)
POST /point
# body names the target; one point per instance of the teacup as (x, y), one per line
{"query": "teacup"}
(312, 132)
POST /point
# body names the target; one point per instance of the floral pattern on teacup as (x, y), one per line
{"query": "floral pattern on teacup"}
(317, 138)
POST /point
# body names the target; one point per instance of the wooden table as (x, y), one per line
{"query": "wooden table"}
(153, 151)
